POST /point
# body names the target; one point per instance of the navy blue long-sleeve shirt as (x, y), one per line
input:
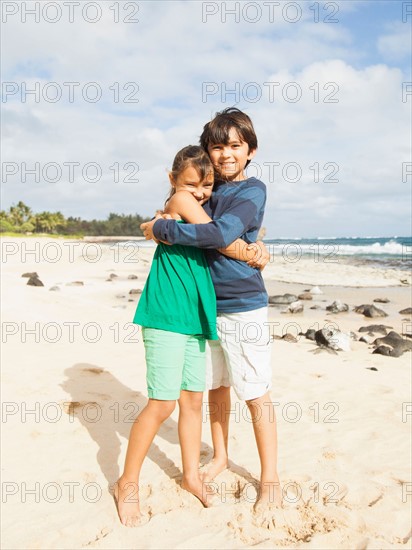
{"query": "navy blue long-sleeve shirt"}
(237, 211)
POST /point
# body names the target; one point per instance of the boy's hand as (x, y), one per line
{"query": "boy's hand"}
(147, 229)
(261, 256)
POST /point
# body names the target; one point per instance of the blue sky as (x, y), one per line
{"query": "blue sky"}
(333, 137)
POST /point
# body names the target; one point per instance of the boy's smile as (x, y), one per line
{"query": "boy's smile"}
(229, 160)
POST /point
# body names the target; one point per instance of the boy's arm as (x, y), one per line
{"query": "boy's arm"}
(189, 209)
(219, 233)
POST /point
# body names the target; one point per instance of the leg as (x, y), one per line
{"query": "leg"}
(142, 434)
(190, 431)
(219, 407)
(262, 414)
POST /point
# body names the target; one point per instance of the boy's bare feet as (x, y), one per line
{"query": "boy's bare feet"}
(200, 489)
(213, 469)
(126, 497)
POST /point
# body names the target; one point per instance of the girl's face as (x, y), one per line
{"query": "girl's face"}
(189, 180)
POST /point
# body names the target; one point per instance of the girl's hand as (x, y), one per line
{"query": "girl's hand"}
(261, 256)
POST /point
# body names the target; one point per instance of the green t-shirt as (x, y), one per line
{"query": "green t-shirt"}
(179, 295)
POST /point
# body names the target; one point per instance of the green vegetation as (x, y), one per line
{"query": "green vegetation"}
(21, 220)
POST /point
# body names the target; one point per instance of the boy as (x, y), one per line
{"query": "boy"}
(238, 360)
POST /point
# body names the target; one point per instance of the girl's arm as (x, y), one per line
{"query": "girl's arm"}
(184, 205)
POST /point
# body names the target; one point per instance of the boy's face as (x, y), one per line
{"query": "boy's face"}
(230, 160)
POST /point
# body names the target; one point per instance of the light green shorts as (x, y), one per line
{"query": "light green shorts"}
(174, 362)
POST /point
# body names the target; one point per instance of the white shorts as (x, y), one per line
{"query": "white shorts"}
(241, 356)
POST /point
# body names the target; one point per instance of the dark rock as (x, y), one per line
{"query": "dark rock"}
(407, 334)
(54, 288)
(382, 300)
(130, 300)
(289, 338)
(315, 307)
(113, 276)
(282, 299)
(310, 334)
(395, 341)
(370, 311)
(135, 291)
(333, 339)
(406, 311)
(386, 350)
(75, 283)
(337, 307)
(294, 307)
(34, 281)
(132, 277)
(372, 368)
(362, 339)
(305, 296)
(34, 274)
(375, 328)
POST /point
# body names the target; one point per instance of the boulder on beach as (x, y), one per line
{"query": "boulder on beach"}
(282, 299)
(29, 275)
(289, 338)
(382, 300)
(333, 339)
(294, 307)
(305, 296)
(132, 276)
(369, 310)
(406, 311)
(394, 341)
(135, 291)
(337, 307)
(386, 350)
(375, 328)
(34, 281)
(309, 334)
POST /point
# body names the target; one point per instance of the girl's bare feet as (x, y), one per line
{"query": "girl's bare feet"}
(269, 496)
(126, 497)
(200, 489)
(213, 469)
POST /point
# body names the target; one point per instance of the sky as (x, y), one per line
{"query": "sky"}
(97, 97)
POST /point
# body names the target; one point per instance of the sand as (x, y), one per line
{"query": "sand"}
(72, 386)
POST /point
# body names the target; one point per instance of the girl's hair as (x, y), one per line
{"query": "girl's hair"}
(191, 155)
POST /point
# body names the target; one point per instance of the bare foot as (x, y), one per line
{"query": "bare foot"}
(213, 469)
(269, 497)
(204, 491)
(126, 497)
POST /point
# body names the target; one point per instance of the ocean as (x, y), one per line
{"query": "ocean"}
(384, 252)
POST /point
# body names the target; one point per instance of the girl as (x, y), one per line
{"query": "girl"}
(177, 310)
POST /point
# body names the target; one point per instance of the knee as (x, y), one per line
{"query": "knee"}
(193, 403)
(163, 409)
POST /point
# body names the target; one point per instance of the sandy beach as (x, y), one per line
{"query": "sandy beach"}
(73, 380)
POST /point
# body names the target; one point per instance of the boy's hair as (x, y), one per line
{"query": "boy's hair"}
(191, 155)
(217, 130)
